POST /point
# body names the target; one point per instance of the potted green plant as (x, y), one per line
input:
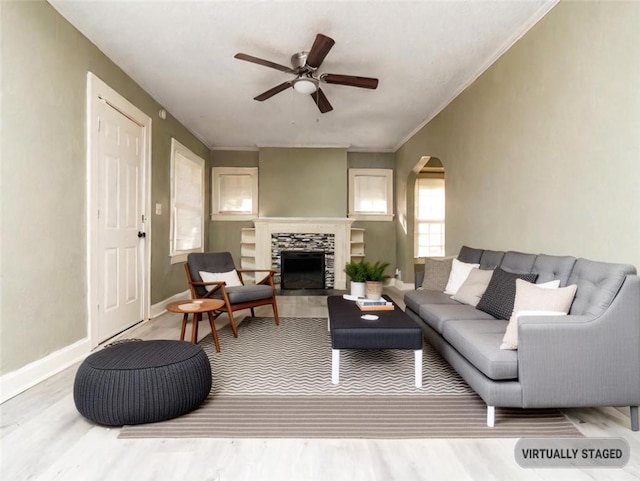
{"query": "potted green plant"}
(375, 277)
(357, 273)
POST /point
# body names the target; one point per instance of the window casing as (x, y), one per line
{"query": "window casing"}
(429, 217)
(371, 194)
(234, 193)
(187, 203)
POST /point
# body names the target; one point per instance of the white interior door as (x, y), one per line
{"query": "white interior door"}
(120, 253)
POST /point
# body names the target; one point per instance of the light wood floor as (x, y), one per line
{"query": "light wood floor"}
(44, 438)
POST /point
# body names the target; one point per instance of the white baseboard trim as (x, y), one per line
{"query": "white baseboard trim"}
(161, 307)
(18, 381)
(402, 286)
(15, 382)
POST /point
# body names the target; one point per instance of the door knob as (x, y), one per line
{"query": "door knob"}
(142, 234)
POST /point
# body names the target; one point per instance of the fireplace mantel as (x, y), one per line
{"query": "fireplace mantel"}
(340, 227)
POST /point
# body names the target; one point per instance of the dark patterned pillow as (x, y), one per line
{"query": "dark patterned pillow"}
(500, 295)
(436, 273)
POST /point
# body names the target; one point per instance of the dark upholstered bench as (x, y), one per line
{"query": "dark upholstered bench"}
(142, 382)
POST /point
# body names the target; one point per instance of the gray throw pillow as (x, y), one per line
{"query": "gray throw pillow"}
(436, 273)
(499, 297)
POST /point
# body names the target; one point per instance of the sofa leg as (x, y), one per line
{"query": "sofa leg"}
(635, 424)
(491, 416)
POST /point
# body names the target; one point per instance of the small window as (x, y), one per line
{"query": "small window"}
(234, 193)
(187, 202)
(371, 194)
(429, 219)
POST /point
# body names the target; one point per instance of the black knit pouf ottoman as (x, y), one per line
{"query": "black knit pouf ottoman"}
(142, 382)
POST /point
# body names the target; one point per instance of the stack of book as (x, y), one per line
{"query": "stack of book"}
(374, 305)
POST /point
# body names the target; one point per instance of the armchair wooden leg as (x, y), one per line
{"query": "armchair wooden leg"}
(232, 321)
(275, 312)
(214, 332)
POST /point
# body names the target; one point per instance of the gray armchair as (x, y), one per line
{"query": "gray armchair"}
(220, 266)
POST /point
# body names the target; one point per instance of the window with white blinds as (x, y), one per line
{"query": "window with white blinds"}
(371, 194)
(234, 193)
(187, 202)
(429, 217)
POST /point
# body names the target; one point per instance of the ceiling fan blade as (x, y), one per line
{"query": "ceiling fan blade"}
(271, 92)
(319, 50)
(260, 61)
(350, 80)
(321, 101)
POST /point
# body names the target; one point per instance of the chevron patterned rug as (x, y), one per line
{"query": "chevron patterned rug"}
(275, 381)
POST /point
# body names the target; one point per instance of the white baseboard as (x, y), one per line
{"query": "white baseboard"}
(18, 381)
(161, 307)
(33, 373)
(402, 286)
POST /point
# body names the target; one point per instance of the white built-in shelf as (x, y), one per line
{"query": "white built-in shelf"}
(357, 244)
(248, 252)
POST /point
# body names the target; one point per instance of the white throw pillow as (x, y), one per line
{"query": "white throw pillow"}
(473, 287)
(231, 278)
(459, 273)
(533, 298)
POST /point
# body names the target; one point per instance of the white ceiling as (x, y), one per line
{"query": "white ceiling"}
(424, 54)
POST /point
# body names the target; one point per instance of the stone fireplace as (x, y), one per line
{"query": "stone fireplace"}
(328, 235)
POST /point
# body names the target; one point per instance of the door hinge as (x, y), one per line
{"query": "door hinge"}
(99, 124)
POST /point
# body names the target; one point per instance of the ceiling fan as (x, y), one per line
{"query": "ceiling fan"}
(305, 68)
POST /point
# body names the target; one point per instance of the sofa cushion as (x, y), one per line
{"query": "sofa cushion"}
(479, 342)
(414, 299)
(550, 268)
(497, 300)
(470, 255)
(436, 273)
(473, 288)
(459, 273)
(491, 259)
(437, 315)
(598, 283)
(530, 297)
(518, 262)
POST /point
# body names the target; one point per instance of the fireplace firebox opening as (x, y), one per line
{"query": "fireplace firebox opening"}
(302, 270)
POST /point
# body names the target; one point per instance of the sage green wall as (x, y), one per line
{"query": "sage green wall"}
(225, 235)
(44, 63)
(379, 236)
(302, 182)
(380, 241)
(542, 152)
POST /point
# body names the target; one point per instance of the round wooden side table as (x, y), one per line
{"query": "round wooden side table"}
(197, 307)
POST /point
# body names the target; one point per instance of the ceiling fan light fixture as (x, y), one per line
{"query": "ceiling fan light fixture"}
(305, 85)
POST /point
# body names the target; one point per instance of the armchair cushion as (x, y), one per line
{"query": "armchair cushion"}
(248, 293)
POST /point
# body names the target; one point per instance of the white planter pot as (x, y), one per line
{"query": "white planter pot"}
(357, 289)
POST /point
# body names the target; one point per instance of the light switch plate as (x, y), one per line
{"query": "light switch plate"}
(158, 208)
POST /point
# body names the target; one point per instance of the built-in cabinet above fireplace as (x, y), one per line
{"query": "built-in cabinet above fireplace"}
(261, 246)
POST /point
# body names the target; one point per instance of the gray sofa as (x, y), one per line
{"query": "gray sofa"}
(588, 358)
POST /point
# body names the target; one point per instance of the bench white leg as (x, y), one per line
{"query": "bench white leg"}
(491, 416)
(335, 366)
(418, 362)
